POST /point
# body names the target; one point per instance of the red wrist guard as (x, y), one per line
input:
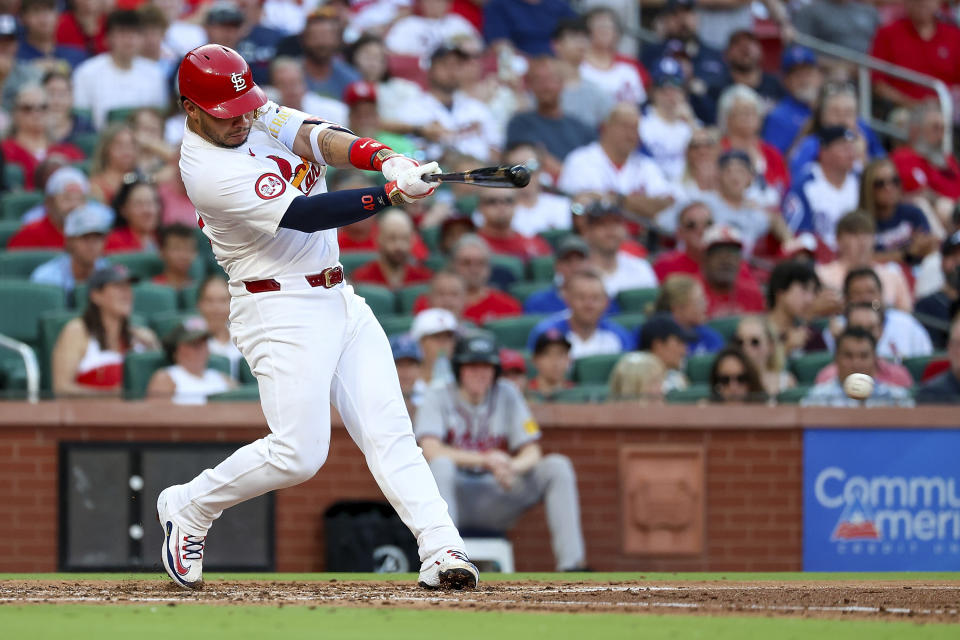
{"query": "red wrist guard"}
(368, 154)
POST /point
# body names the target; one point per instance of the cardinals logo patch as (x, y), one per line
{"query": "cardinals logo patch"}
(270, 185)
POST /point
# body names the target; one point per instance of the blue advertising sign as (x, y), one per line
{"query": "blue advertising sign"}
(881, 500)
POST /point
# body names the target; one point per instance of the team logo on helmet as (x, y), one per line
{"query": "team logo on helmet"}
(270, 185)
(239, 82)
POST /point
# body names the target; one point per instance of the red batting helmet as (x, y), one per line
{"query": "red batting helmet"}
(218, 80)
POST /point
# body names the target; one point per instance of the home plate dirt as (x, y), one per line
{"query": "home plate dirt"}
(915, 600)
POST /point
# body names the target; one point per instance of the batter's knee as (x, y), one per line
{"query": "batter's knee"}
(556, 466)
(300, 463)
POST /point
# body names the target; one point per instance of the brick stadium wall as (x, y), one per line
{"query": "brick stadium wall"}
(753, 467)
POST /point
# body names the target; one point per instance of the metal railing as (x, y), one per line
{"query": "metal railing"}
(865, 64)
(29, 363)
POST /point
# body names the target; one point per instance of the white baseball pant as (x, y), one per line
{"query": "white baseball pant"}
(309, 346)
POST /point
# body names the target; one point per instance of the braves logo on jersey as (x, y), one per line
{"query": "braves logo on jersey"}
(270, 186)
(303, 177)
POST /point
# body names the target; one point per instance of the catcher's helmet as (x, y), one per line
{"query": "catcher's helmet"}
(475, 347)
(218, 80)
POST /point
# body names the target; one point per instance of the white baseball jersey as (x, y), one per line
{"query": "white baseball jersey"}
(666, 142)
(621, 81)
(589, 168)
(241, 194)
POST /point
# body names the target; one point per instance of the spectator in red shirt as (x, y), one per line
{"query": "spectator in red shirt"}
(692, 222)
(66, 189)
(728, 292)
(496, 207)
(471, 260)
(447, 291)
(918, 41)
(138, 216)
(923, 167)
(30, 140)
(394, 267)
(84, 26)
(178, 250)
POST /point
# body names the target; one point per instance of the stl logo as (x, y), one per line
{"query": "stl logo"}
(856, 522)
(270, 185)
(239, 82)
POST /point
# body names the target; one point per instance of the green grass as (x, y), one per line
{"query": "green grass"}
(82, 622)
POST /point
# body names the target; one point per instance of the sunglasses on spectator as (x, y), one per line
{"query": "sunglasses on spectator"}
(31, 107)
(726, 381)
(753, 342)
(693, 224)
(880, 183)
(704, 142)
(496, 201)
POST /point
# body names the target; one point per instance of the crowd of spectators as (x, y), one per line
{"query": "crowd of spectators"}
(708, 214)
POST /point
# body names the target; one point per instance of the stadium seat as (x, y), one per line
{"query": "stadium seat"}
(431, 237)
(150, 299)
(725, 326)
(143, 264)
(51, 323)
(87, 142)
(20, 264)
(543, 269)
(120, 114)
(243, 393)
(13, 176)
(380, 299)
(164, 322)
(555, 236)
(806, 367)
(23, 304)
(13, 375)
(629, 321)
(637, 299)
(918, 364)
(522, 290)
(435, 262)
(245, 374)
(793, 396)
(407, 296)
(138, 368)
(512, 264)
(513, 332)
(594, 369)
(187, 297)
(393, 325)
(693, 394)
(220, 363)
(7, 229)
(353, 259)
(407, 67)
(14, 204)
(698, 368)
(582, 394)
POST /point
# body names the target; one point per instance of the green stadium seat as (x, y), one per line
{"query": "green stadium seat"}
(14, 204)
(150, 299)
(725, 326)
(87, 142)
(431, 237)
(512, 264)
(407, 296)
(513, 332)
(806, 367)
(120, 114)
(353, 259)
(693, 394)
(138, 368)
(187, 297)
(698, 368)
(637, 299)
(380, 299)
(143, 264)
(23, 302)
(543, 269)
(394, 325)
(243, 393)
(13, 176)
(793, 396)
(51, 323)
(555, 236)
(435, 262)
(7, 229)
(582, 394)
(594, 369)
(918, 364)
(629, 321)
(220, 363)
(164, 322)
(245, 374)
(13, 375)
(20, 264)
(522, 290)
(86, 166)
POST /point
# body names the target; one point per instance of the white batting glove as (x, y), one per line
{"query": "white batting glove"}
(410, 186)
(393, 166)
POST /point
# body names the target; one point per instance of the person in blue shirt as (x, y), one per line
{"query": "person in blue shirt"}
(837, 106)
(583, 324)
(85, 231)
(526, 24)
(258, 43)
(38, 40)
(682, 296)
(802, 79)
(903, 232)
(572, 255)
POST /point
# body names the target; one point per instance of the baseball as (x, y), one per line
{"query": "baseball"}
(858, 386)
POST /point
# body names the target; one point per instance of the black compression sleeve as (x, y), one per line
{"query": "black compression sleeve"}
(333, 209)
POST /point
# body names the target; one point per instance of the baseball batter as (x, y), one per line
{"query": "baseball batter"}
(255, 172)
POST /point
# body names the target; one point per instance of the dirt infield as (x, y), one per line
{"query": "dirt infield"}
(918, 601)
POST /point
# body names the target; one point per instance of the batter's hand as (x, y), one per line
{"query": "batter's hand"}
(409, 186)
(394, 166)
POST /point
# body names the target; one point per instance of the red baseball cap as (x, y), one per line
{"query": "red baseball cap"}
(360, 91)
(511, 360)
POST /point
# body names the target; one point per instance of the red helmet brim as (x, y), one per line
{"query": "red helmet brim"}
(252, 99)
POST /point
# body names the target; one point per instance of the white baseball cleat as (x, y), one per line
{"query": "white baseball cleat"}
(449, 569)
(182, 553)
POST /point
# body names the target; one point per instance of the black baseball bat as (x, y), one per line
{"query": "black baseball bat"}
(502, 177)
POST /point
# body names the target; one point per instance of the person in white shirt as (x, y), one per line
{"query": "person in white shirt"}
(290, 89)
(213, 303)
(580, 97)
(413, 35)
(668, 121)
(605, 233)
(612, 167)
(181, 35)
(620, 80)
(119, 78)
(536, 211)
(187, 380)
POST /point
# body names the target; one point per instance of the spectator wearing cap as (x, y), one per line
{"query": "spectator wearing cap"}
(572, 255)
(548, 127)
(395, 266)
(668, 122)
(187, 379)
(536, 211)
(471, 261)
(66, 190)
(613, 167)
(580, 97)
(222, 23)
(945, 388)
(434, 331)
(29, 141)
(119, 78)
(683, 298)
(791, 293)
(937, 310)
(412, 35)
(856, 233)
(924, 169)
(258, 42)
(85, 230)
(38, 43)
(802, 80)
(661, 336)
(551, 359)
(619, 77)
(321, 42)
(88, 357)
(605, 233)
(526, 25)
(497, 208)
(744, 58)
(406, 357)
(919, 41)
(84, 25)
(730, 204)
(583, 323)
(828, 191)
(840, 22)
(177, 246)
(856, 353)
(513, 368)
(729, 291)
